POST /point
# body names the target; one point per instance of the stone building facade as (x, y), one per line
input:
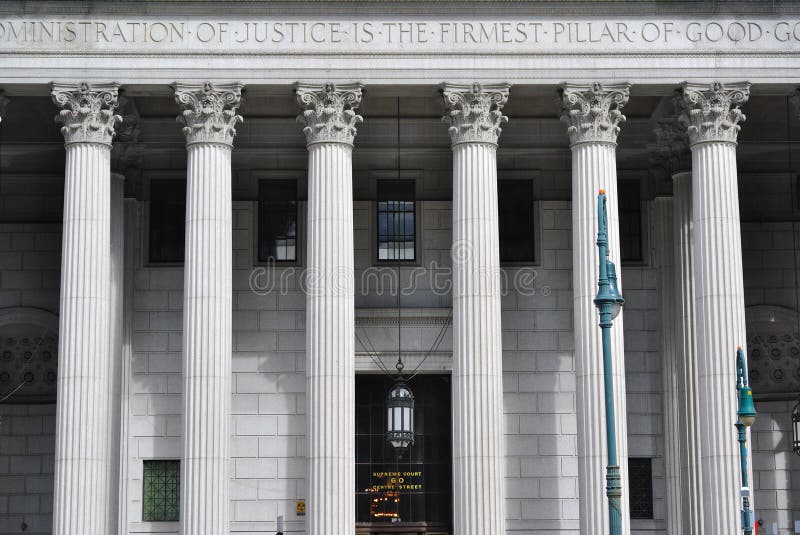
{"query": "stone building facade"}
(200, 320)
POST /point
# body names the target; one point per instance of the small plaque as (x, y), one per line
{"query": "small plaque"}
(300, 507)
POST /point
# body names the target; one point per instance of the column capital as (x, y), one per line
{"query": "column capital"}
(87, 111)
(3, 103)
(329, 112)
(794, 99)
(474, 111)
(711, 111)
(671, 150)
(593, 112)
(208, 111)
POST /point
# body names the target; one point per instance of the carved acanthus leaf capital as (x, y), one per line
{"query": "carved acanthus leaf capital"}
(474, 112)
(329, 112)
(795, 100)
(712, 110)
(87, 111)
(671, 150)
(209, 111)
(3, 103)
(593, 112)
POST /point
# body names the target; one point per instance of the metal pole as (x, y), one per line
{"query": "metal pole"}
(604, 303)
(741, 384)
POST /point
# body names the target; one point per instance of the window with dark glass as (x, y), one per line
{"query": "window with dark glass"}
(167, 220)
(396, 225)
(161, 485)
(630, 220)
(415, 490)
(277, 220)
(516, 220)
(640, 480)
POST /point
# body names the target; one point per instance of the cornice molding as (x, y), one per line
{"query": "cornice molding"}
(475, 111)
(593, 112)
(711, 111)
(209, 111)
(329, 112)
(87, 111)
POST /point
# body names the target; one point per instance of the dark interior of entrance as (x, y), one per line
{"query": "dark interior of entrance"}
(413, 494)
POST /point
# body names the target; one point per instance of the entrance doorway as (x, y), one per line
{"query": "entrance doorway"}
(410, 495)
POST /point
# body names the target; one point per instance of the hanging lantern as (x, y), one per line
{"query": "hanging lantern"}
(796, 428)
(400, 417)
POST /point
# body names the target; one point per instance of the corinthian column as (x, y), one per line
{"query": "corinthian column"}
(81, 501)
(474, 114)
(712, 114)
(209, 118)
(593, 114)
(329, 120)
(685, 346)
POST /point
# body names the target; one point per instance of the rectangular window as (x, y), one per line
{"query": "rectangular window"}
(277, 221)
(516, 220)
(630, 220)
(167, 220)
(396, 226)
(161, 488)
(640, 476)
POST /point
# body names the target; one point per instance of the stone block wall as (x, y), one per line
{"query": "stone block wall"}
(29, 277)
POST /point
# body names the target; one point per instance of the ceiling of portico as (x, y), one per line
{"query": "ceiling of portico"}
(534, 140)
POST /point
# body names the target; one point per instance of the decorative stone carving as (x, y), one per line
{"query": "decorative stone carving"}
(474, 112)
(593, 112)
(329, 112)
(28, 363)
(712, 111)
(209, 111)
(87, 111)
(3, 103)
(671, 150)
(127, 153)
(773, 350)
(794, 99)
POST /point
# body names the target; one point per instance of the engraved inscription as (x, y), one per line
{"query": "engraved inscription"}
(277, 35)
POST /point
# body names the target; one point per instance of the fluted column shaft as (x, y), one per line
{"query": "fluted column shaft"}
(719, 304)
(209, 118)
(330, 331)
(671, 374)
(81, 502)
(719, 293)
(594, 167)
(474, 114)
(685, 347)
(593, 113)
(478, 445)
(330, 323)
(116, 316)
(206, 340)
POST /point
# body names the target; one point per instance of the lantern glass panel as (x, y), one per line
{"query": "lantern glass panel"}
(796, 429)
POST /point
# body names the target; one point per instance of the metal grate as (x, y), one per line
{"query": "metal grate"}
(277, 220)
(396, 214)
(161, 491)
(640, 477)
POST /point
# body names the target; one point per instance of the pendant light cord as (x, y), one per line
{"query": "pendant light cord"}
(399, 364)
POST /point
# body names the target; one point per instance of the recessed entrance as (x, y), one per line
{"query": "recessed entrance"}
(411, 495)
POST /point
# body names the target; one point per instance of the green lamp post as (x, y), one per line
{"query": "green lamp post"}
(746, 415)
(609, 302)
